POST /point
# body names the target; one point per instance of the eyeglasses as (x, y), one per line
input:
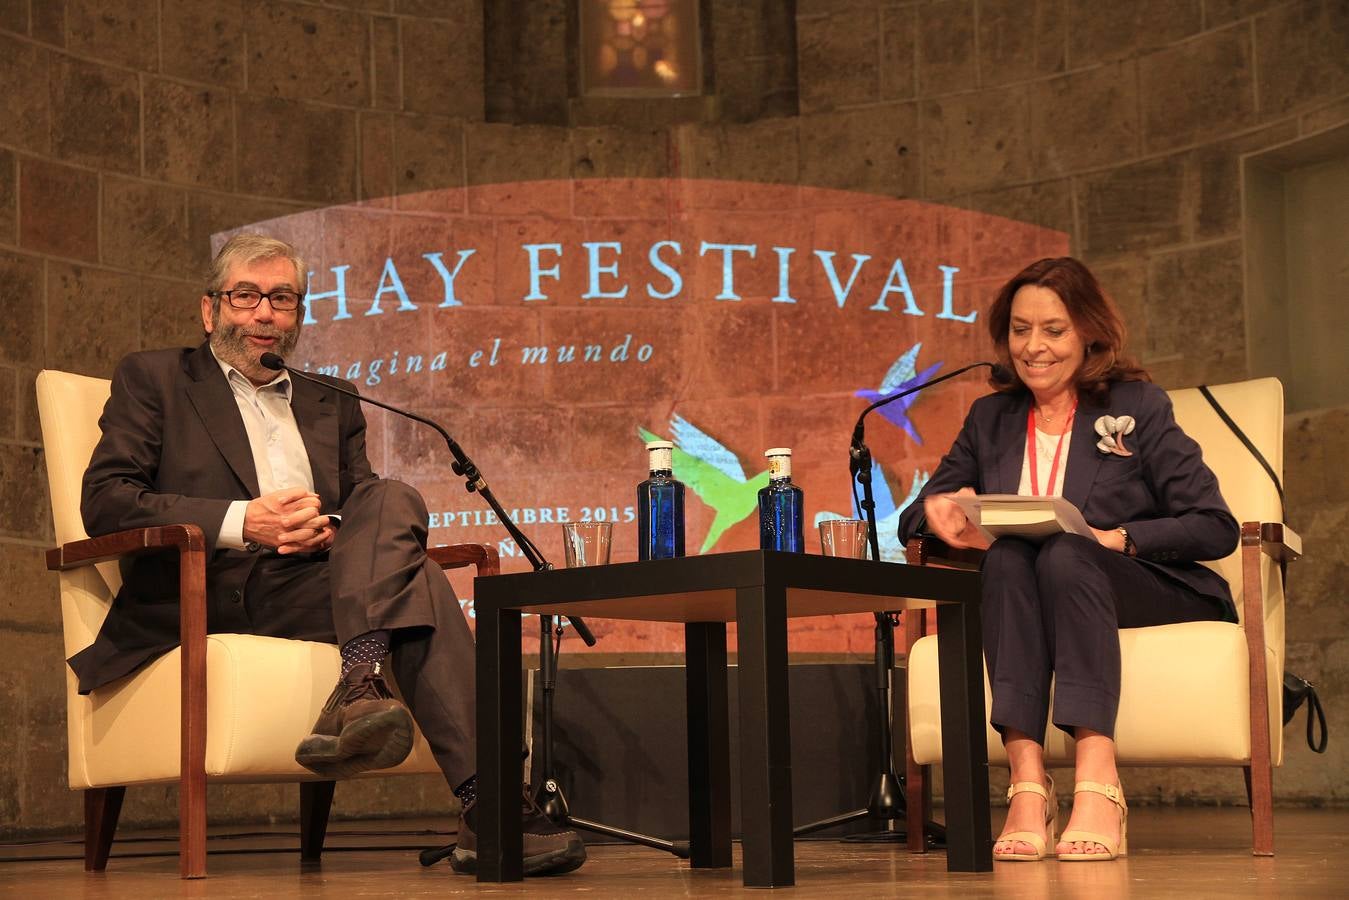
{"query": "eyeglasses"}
(281, 301)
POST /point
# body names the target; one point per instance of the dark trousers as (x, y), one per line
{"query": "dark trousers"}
(376, 576)
(1055, 610)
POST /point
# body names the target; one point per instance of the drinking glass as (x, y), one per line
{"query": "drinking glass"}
(587, 543)
(844, 537)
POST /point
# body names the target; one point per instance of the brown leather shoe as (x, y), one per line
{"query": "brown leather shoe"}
(549, 849)
(362, 727)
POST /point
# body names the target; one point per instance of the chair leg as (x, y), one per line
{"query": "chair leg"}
(1260, 773)
(919, 797)
(1260, 793)
(918, 779)
(102, 806)
(316, 800)
(192, 826)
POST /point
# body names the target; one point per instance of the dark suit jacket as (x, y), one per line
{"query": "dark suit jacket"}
(1163, 494)
(174, 450)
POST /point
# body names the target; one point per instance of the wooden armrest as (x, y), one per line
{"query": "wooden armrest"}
(455, 556)
(929, 550)
(125, 543)
(190, 543)
(1275, 538)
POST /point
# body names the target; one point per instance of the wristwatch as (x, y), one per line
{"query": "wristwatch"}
(1128, 541)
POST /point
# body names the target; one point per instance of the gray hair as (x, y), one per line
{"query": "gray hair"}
(249, 247)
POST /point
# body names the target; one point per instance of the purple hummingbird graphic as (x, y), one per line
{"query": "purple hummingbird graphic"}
(902, 375)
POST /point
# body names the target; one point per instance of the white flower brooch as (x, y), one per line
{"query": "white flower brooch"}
(1112, 431)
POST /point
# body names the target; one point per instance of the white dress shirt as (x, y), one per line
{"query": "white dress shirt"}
(279, 454)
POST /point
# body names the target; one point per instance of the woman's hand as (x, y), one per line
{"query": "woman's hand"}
(1111, 539)
(949, 522)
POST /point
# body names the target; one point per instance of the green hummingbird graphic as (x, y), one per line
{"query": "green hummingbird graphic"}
(715, 475)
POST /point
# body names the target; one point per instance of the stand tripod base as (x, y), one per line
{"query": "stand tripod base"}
(554, 806)
(678, 848)
(935, 832)
(878, 837)
(887, 808)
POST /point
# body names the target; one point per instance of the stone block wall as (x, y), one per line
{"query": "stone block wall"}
(135, 129)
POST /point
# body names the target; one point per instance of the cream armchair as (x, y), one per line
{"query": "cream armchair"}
(193, 714)
(1193, 694)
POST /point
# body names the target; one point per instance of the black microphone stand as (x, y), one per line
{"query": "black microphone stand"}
(549, 796)
(462, 466)
(886, 804)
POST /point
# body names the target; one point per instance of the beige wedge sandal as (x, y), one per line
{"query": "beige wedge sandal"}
(1043, 843)
(1113, 849)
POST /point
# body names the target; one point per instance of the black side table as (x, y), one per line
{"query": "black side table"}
(759, 590)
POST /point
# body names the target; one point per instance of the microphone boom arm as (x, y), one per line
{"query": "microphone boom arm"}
(462, 466)
(859, 455)
(997, 368)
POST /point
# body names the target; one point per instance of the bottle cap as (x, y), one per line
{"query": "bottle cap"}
(779, 463)
(661, 455)
(778, 451)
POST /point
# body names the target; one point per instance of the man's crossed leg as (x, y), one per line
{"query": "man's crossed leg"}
(388, 598)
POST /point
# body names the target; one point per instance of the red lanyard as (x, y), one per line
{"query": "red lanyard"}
(1030, 451)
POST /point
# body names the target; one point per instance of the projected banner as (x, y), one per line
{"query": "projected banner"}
(553, 327)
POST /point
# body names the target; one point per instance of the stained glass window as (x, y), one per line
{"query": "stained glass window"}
(640, 48)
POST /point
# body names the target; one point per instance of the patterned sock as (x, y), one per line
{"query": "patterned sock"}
(468, 791)
(370, 647)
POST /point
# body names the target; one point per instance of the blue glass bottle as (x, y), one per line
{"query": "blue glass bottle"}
(782, 506)
(660, 507)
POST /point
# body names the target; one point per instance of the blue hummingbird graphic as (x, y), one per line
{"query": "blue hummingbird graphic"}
(903, 374)
(715, 475)
(887, 512)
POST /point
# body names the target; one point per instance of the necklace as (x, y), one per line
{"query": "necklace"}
(1047, 417)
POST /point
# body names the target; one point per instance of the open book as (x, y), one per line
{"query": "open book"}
(1032, 518)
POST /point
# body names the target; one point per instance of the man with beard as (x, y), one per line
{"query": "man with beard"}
(303, 540)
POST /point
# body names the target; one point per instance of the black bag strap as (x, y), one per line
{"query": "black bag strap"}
(1255, 451)
(1259, 457)
(1250, 445)
(1314, 706)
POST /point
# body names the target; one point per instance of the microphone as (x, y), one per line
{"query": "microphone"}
(998, 372)
(276, 364)
(859, 455)
(461, 465)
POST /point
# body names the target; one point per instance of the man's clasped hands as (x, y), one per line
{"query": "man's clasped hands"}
(289, 520)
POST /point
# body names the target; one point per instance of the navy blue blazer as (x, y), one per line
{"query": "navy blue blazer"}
(1163, 494)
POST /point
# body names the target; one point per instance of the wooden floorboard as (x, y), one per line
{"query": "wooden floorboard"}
(1185, 853)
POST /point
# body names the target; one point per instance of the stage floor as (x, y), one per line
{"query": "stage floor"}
(1192, 853)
